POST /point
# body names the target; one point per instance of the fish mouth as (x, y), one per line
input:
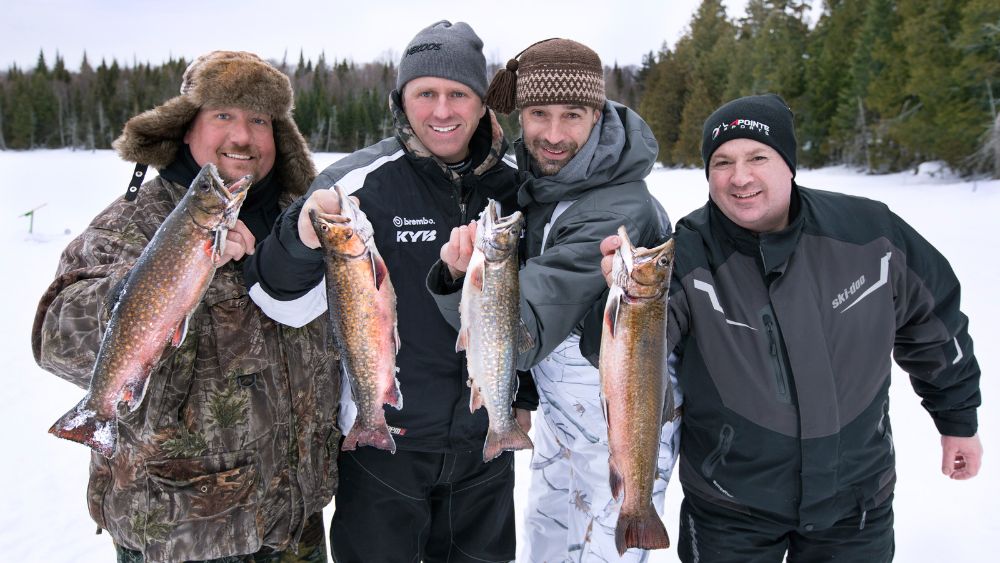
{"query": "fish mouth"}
(335, 231)
(498, 232)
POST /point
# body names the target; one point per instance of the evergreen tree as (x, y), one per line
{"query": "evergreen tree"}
(835, 81)
(978, 78)
(935, 128)
(706, 60)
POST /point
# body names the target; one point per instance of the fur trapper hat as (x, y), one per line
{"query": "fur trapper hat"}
(223, 79)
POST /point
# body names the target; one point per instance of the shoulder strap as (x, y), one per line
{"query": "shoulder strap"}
(133, 186)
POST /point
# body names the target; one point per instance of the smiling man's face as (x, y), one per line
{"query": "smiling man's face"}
(553, 134)
(237, 141)
(444, 114)
(751, 184)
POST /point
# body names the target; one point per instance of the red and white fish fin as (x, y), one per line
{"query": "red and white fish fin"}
(476, 274)
(511, 439)
(616, 480)
(393, 397)
(645, 531)
(82, 424)
(218, 245)
(180, 333)
(380, 270)
(475, 398)
(133, 392)
(611, 311)
(378, 437)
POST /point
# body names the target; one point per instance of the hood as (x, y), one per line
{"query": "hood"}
(621, 149)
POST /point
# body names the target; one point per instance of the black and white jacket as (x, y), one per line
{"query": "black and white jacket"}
(413, 201)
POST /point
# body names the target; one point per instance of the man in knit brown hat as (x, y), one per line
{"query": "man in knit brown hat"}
(583, 160)
(232, 453)
(434, 499)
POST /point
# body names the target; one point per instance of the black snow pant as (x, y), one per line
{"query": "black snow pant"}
(418, 506)
(710, 533)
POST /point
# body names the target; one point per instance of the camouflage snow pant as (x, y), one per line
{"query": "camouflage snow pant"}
(311, 549)
(570, 514)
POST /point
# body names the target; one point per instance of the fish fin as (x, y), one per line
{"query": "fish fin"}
(645, 531)
(463, 340)
(611, 312)
(511, 439)
(476, 277)
(525, 341)
(395, 337)
(475, 398)
(133, 392)
(378, 437)
(393, 397)
(82, 424)
(615, 480)
(180, 333)
(218, 245)
(380, 269)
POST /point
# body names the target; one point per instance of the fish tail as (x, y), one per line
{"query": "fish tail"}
(377, 437)
(82, 424)
(512, 438)
(645, 531)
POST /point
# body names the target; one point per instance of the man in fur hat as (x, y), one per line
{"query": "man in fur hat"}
(583, 161)
(232, 453)
(435, 499)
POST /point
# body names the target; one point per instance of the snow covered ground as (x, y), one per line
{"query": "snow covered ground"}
(43, 515)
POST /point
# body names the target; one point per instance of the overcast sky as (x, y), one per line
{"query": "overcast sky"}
(361, 30)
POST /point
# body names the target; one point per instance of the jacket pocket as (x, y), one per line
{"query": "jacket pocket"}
(202, 508)
(718, 455)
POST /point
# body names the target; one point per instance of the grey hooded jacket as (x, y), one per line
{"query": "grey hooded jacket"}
(605, 183)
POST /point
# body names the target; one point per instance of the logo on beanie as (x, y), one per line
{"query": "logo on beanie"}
(745, 124)
(423, 47)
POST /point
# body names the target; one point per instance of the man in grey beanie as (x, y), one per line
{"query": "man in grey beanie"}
(434, 499)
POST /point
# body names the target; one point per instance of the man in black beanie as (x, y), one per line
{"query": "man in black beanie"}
(786, 305)
(434, 499)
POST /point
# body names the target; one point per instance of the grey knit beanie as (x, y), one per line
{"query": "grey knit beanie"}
(445, 50)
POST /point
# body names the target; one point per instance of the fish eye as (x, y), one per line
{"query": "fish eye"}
(663, 261)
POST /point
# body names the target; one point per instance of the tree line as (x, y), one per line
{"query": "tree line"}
(880, 85)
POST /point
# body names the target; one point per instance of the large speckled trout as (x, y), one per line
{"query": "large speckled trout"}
(634, 385)
(492, 333)
(150, 308)
(362, 308)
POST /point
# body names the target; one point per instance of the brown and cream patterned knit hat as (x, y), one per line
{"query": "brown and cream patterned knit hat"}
(553, 71)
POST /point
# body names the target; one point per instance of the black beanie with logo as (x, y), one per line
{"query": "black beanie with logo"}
(765, 118)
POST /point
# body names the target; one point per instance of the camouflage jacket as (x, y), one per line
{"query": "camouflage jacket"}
(235, 442)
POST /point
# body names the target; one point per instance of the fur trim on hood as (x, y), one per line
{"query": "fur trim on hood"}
(221, 79)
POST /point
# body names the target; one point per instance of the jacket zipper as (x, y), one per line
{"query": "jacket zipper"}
(777, 361)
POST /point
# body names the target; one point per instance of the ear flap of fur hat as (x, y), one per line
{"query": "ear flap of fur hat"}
(223, 79)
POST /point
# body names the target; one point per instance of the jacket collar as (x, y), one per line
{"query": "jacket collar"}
(771, 250)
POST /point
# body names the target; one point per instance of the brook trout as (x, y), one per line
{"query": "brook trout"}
(634, 385)
(150, 308)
